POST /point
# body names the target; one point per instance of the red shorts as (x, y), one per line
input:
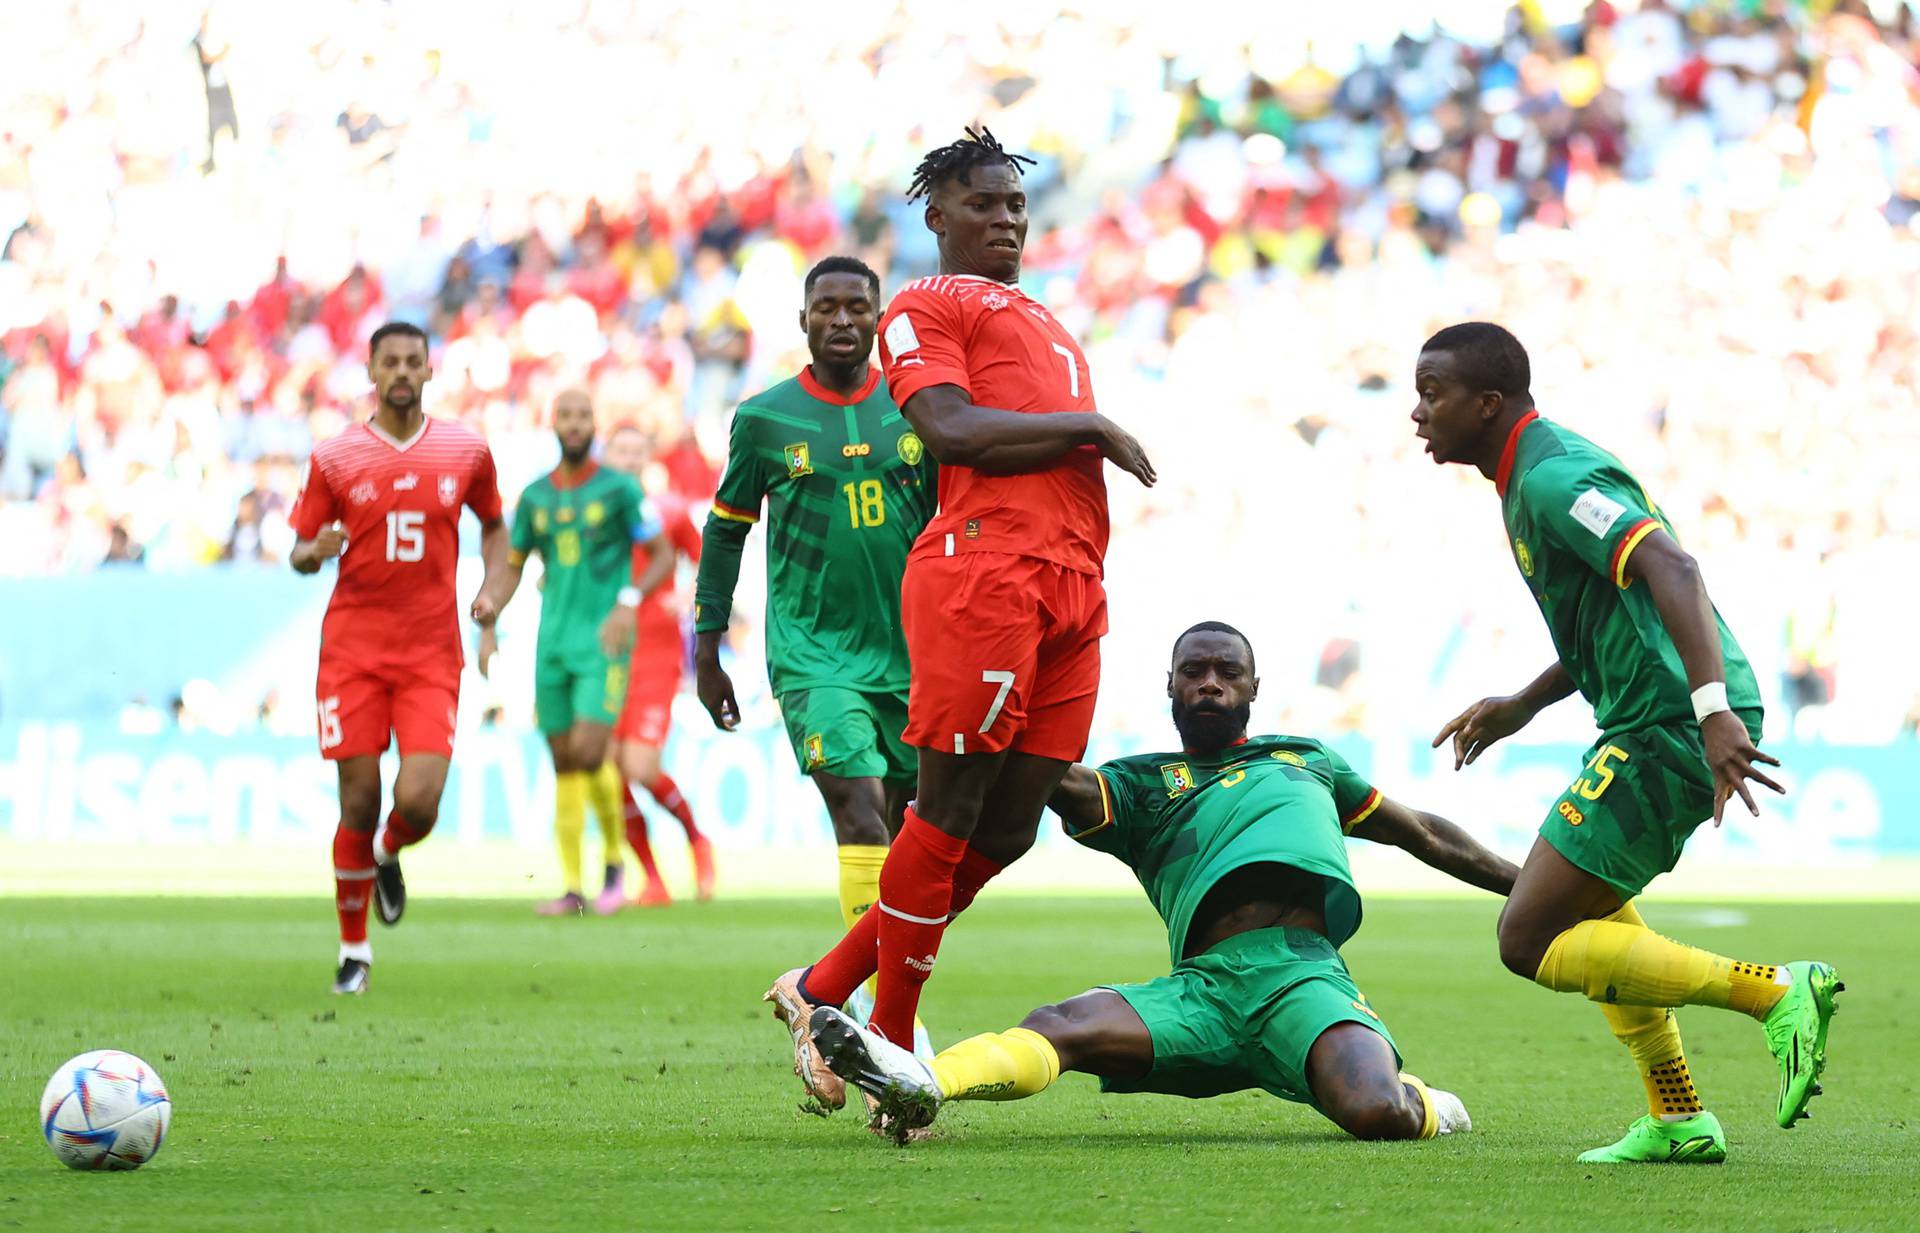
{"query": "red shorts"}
(1005, 651)
(361, 710)
(653, 681)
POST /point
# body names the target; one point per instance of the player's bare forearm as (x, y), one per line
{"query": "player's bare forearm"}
(659, 565)
(958, 433)
(1078, 800)
(1672, 578)
(1547, 688)
(1434, 841)
(497, 590)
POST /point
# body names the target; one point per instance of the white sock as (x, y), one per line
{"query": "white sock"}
(363, 951)
(380, 854)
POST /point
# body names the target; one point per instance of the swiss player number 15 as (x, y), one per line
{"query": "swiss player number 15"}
(406, 535)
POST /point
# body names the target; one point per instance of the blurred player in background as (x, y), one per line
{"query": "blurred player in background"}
(584, 521)
(1678, 711)
(659, 655)
(1002, 602)
(848, 486)
(1239, 844)
(385, 496)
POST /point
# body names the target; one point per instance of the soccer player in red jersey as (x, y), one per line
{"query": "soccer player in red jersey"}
(1002, 603)
(659, 657)
(384, 497)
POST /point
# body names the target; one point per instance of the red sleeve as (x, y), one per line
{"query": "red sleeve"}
(314, 507)
(483, 493)
(686, 536)
(923, 344)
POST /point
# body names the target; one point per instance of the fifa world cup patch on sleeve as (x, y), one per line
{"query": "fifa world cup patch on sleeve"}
(900, 336)
(1597, 512)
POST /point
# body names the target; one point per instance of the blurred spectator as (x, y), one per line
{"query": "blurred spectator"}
(1700, 217)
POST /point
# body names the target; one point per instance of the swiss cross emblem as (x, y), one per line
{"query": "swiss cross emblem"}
(449, 490)
(363, 492)
(995, 301)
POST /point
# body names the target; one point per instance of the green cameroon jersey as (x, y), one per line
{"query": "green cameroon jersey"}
(1183, 821)
(848, 487)
(584, 527)
(1575, 515)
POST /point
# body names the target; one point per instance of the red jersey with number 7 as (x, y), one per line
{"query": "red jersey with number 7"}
(399, 501)
(1006, 351)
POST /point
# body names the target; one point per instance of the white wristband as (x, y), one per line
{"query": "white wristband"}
(1710, 699)
(630, 598)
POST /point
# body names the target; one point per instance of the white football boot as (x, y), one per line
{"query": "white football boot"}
(905, 1094)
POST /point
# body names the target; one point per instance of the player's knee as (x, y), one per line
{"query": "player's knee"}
(1385, 1110)
(640, 764)
(1521, 948)
(419, 807)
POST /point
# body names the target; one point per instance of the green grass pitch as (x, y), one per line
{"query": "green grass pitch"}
(507, 1073)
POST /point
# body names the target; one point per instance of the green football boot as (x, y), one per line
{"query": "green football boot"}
(1797, 1035)
(1698, 1140)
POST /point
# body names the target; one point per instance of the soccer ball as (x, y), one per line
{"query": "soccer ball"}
(105, 1110)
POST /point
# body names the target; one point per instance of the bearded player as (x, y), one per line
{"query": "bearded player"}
(1679, 715)
(584, 521)
(847, 488)
(1240, 843)
(385, 497)
(653, 678)
(1002, 602)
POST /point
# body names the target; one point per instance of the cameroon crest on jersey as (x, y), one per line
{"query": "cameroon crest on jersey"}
(1178, 776)
(799, 460)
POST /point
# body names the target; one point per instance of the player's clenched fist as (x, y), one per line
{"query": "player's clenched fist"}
(330, 542)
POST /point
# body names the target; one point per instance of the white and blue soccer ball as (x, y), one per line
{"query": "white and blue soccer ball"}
(105, 1110)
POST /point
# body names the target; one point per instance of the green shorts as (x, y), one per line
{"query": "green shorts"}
(1641, 794)
(849, 733)
(1245, 1014)
(578, 688)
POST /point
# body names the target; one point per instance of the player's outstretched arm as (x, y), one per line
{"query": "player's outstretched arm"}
(1437, 842)
(1078, 800)
(1492, 719)
(1672, 578)
(1010, 442)
(309, 555)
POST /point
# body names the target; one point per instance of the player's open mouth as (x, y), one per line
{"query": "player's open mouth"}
(843, 342)
(1006, 244)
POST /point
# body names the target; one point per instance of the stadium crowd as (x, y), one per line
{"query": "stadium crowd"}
(1703, 220)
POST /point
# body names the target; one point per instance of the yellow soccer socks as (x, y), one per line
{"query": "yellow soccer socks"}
(605, 793)
(570, 822)
(860, 883)
(1429, 1113)
(1009, 1065)
(1617, 961)
(859, 879)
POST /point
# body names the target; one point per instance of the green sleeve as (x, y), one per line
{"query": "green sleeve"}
(521, 540)
(1353, 797)
(744, 483)
(736, 507)
(1117, 799)
(1597, 512)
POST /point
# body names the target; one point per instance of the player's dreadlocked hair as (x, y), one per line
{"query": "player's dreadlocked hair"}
(958, 159)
